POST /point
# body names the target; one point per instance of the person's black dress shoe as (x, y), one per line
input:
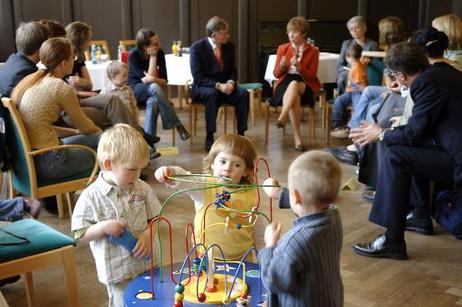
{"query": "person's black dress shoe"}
(150, 139)
(208, 142)
(368, 195)
(184, 134)
(380, 248)
(9, 280)
(300, 147)
(153, 154)
(279, 124)
(344, 155)
(422, 226)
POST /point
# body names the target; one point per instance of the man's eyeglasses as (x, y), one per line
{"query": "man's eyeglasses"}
(393, 74)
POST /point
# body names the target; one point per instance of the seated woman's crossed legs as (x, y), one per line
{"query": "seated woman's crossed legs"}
(291, 106)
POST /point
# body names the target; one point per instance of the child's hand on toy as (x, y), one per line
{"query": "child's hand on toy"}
(272, 192)
(113, 228)
(162, 174)
(142, 247)
(272, 233)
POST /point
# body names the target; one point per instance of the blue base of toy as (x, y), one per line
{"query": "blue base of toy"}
(165, 290)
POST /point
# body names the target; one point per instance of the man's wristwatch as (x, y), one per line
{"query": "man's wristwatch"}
(382, 135)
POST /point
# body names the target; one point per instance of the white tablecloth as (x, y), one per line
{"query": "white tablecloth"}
(178, 69)
(98, 74)
(327, 67)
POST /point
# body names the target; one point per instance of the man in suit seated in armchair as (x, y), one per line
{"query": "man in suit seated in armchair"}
(215, 77)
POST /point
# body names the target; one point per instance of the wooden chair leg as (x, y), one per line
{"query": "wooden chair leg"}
(194, 120)
(180, 96)
(30, 293)
(69, 203)
(71, 276)
(328, 125)
(59, 201)
(267, 123)
(191, 123)
(252, 105)
(311, 124)
(259, 100)
(173, 136)
(11, 192)
(234, 120)
(225, 112)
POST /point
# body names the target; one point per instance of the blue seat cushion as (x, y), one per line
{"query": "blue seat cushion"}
(249, 86)
(41, 238)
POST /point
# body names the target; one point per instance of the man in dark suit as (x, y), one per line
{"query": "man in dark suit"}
(428, 148)
(29, 38)
(215, 77)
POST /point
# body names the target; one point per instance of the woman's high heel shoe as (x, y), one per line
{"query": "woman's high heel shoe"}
(279, 124)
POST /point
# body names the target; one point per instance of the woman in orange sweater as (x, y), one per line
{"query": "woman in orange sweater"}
(295, 70)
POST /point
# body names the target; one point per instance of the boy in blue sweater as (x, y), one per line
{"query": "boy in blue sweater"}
(303, 268)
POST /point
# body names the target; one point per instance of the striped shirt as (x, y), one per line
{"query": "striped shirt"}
(304, 268)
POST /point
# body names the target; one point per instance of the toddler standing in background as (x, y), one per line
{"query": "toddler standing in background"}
(117, 74)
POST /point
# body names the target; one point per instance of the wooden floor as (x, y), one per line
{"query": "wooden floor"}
(431, 277)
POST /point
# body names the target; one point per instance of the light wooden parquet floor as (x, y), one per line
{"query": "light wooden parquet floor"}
(431, 277)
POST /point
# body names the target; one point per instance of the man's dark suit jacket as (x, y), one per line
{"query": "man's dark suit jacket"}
(205, 69)
(15, 69)
(436, 115)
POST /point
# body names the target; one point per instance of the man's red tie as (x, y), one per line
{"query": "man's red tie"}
(217, 53)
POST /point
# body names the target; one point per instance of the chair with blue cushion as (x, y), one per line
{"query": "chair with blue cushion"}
(22, 174)
(28, 245)
(255, 93)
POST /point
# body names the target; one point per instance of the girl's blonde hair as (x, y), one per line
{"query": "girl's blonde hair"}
(123, 145)
(391, 31)
(52, 52)
(233, 144)
(452, 26)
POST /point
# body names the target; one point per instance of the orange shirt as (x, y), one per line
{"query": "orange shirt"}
(357, 77)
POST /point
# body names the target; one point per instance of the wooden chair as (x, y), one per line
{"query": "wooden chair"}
(127, 44)
(22, 175)
(35, 246)
(311, 117)
(255, 93)
(326, 121)
(100, 43)
(194, 105)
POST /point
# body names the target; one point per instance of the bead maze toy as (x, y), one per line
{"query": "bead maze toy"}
(207, 280)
